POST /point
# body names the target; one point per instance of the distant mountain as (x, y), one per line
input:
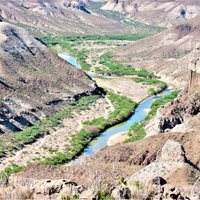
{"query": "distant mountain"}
(33, 80)
(57, 16)
(159, 12)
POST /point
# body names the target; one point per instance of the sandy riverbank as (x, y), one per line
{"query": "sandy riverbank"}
(116, 139)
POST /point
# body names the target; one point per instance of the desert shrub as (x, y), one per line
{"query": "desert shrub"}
(31, 134)
(4, 174)
(123, 107)
(119, 69)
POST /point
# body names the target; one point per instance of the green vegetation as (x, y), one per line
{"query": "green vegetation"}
(29, 135)
(119, 17)
(160, 85)
(4, 174)
(137, 131)
(130, 37)
(123, 108)
(104, 196)
(78, 143)
(67, 43)
(119, 69)
(78, 38)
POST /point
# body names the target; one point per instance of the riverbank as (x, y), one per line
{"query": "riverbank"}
(117, 138)
(59, 136)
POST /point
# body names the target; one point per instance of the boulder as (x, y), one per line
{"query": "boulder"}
(173, 151)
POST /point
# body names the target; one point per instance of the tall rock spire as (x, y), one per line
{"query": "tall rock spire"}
(194, 67)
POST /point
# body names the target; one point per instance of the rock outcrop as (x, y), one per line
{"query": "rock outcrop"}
(172, 157)
(171, 161)
(194, 67)
(33, 80)
(185, 106)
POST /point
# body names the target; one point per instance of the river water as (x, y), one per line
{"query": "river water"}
(139, 115)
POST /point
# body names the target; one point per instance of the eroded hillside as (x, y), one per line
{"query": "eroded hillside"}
(33, 80)
(162, 12)
(58, 17)
(167, 53)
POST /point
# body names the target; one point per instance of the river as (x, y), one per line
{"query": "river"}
(139, 115)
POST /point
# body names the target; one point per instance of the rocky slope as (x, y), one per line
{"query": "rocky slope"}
(167, 54)
(57, 16)
(157, 156)
(183, 111)
(33, 80)
(161, 12)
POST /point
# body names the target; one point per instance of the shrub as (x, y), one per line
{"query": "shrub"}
(31, 134)
(123, 108)
(4, 174)
(116, 68)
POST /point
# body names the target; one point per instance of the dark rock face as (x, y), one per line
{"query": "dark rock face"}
(159, 181)
(34, 82)
(188, 103)
(178, 111)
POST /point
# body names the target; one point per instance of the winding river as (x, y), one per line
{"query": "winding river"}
(139, 115)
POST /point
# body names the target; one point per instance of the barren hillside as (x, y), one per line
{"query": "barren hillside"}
(58, 17)
(168, 53)
(161, 12)
(33, 80)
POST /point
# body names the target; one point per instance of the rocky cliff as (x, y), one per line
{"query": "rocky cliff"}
(182, 110)
(33, 80)
(194, 68)
(160, 12)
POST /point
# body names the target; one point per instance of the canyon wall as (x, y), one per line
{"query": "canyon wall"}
(194, 68)
(182, 114)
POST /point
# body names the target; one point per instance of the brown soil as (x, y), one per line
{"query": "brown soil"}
(118, 161)
(125, 86)
(84, 174)
(144, 151)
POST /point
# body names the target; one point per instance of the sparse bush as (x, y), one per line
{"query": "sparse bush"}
(31, 134)
(4, 174)
(119, 69)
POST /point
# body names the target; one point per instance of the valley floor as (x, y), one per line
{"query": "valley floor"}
(112, 165)
(59, 137)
